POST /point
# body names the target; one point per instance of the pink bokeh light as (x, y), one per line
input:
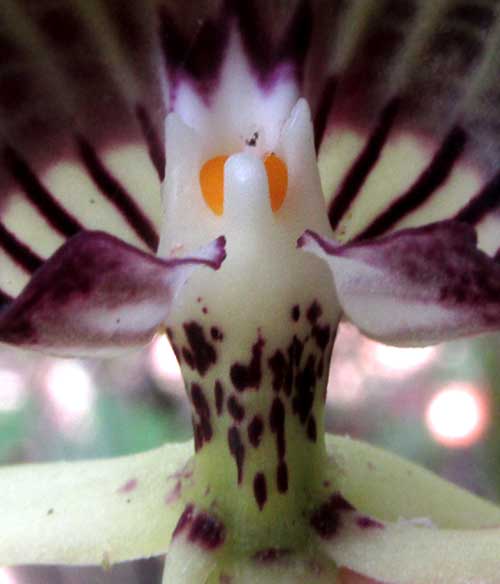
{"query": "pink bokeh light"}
(457, 415)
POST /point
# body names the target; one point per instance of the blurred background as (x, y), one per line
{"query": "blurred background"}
(439, 406)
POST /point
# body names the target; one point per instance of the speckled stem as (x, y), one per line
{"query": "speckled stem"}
(257, 388)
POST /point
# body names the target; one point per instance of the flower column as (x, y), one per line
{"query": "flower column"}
(254, 344)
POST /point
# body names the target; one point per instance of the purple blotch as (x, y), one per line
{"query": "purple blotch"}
(312, 432)
(245, 376)
(282, 476)
(277, 424)
(321, 335)
(368, 523)
(255, 431)
(296, 313)
(129, 486)
(219, 397)
(326, 518)
(237, 449)
(200, 355)
(202, 408)
(207, 532)
(216, 333)
(295, 351)
(184, 519)
(198, 435)
(236, 410)
(260, 489)
(278, 366)
(204, 310)
(267, 51)
(305, 383)
(314, 312)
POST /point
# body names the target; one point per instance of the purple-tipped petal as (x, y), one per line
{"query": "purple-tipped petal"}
(416, 287)
(98, 295)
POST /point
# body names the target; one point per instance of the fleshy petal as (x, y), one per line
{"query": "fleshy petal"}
(365, 474)
(416, 287)
(405, 553)
(98, 295)
(411, 134)
(98, 512)
(440, 533)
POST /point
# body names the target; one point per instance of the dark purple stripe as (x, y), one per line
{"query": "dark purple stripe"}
(114, 192)
(323, 110)
(487, 200)
(364, 164)
(200, 55)
(433, 177)
(254, 25)
(155, 147)
(18, 251)
(497, 256)
(41, 198)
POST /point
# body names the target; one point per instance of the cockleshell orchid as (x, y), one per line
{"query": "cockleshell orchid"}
(319, 160)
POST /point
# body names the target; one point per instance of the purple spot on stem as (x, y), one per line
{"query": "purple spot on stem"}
(202, 408)
(248, 376)
(314, 312)
(296, 313)
(282, 477)
(255, 431)
(237, 449)
(305, 383)
(321, 335)
(219, 397)
(295, 351)
(326, 518)
(216, 333)
(201, 354)
(260, 489)
(236, 410)
(207, 532)
(278, 366)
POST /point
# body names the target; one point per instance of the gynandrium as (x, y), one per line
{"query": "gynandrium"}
(240, 175)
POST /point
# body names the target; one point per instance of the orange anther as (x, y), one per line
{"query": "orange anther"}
(277, 175)
(212, 183)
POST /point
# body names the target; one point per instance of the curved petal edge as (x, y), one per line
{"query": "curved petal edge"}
(98, 295)
(417, 286)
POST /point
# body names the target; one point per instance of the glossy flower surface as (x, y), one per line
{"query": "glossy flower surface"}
(342, 164)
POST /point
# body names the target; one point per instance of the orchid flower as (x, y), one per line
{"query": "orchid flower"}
(240, 176)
